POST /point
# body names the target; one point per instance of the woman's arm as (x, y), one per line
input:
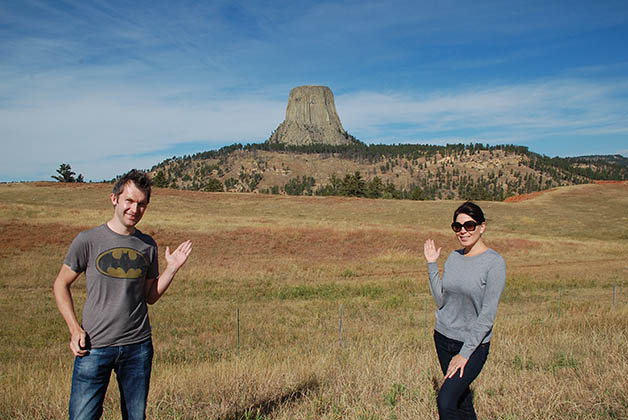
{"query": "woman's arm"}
(431, 256)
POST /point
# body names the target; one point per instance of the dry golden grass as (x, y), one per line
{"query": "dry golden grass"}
(287, 264)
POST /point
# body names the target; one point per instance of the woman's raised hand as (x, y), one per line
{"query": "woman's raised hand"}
(430, 251)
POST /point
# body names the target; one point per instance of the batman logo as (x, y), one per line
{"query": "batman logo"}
(122, 263)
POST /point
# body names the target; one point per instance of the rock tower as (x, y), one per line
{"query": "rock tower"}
(311, 118)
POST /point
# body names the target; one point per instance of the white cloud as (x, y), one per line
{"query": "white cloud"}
(97, 126)
(104, 131)
(526, 111)
(107, 87)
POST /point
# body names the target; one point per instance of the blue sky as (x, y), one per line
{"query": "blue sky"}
(111, 85)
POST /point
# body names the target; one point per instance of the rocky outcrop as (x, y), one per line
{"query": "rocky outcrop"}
(311, 118)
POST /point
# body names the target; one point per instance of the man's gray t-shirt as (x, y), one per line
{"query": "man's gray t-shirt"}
(467, 296)
(116, 268)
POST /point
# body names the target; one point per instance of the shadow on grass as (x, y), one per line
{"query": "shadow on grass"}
(435, 385)
(264, 408)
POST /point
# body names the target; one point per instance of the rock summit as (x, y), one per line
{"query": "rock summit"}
(311, 118)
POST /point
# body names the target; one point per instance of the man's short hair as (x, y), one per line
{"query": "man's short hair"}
(141, 180)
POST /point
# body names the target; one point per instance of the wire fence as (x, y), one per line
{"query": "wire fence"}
(558, 311)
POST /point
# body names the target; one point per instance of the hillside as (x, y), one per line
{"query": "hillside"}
(616, 160)
(405, 171)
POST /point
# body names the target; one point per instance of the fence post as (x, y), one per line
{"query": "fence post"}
(340, 328)
(237, 331)
(614, 294)
(424, 318)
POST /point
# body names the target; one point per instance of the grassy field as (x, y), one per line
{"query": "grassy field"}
(287, 264)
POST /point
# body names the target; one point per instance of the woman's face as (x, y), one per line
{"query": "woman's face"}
(469, 239)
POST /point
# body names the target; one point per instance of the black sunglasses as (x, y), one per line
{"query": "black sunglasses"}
(469, 226)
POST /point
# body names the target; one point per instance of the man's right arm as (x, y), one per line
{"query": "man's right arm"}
(65, 303)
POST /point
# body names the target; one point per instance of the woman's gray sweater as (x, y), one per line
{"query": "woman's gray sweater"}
(467, 296)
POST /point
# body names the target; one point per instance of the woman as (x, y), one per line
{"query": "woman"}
(467, 295)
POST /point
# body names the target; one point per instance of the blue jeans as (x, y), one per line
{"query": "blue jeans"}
(90, 378)
(455, 399)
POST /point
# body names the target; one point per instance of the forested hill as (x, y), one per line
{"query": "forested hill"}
(403, 171)
(617, 160)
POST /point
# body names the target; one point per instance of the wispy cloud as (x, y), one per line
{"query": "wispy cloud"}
(524, 112)
(97, 125)
(111, 85)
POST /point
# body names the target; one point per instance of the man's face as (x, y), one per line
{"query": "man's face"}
(130, 205)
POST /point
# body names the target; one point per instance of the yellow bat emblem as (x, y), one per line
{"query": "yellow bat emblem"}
(122, 263)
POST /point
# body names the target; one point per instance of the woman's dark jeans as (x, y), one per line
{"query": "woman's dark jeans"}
(455, 399)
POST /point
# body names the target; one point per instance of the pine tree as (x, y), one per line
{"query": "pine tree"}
(66, 174)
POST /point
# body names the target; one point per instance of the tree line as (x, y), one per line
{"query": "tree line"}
(571, 168)
(443, 180)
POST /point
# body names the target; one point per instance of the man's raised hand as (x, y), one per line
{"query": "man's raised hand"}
(179, 256)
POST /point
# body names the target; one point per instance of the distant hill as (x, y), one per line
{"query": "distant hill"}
(403, 171)
(617, 160)
(311, 153)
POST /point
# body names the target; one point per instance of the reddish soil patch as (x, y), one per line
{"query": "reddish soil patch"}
(254, 244)
(610, 182)
(512, 245)
(238, 245)
(523, 197)
(21, 237)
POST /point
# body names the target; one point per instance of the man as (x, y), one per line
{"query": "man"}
(122, 277)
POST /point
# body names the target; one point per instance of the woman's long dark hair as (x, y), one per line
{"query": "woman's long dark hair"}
(472, 210)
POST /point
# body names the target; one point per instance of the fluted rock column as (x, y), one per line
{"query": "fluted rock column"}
(311, 118)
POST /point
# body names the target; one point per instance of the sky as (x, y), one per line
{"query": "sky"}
(107, 86)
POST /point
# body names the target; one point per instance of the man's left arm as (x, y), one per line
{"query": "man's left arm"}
(155, 288)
